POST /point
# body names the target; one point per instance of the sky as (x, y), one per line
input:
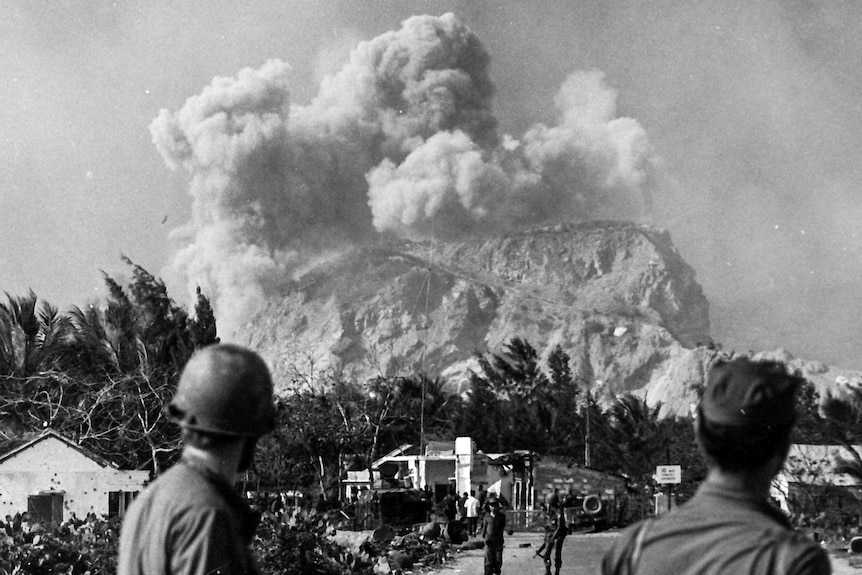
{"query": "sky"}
(168, 132)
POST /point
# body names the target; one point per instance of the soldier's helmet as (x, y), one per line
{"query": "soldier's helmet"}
(227, 390)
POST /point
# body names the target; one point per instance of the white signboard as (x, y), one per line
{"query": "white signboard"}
(668, 474)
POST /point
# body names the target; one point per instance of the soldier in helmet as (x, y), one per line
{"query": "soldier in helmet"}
(555, 533)
(190, 519)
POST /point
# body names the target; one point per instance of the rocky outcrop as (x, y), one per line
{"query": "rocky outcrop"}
(617, 296)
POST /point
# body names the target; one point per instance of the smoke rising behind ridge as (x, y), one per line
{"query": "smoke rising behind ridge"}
(753, 108)
(401, 140)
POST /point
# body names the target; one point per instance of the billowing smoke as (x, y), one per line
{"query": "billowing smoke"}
(401, 140)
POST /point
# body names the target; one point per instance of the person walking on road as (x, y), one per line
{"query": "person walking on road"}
(743, 427)
(190, 520)
(493, 526)
(555, 534)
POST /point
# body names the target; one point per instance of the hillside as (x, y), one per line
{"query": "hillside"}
(617, 296)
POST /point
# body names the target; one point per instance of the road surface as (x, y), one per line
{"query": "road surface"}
(582, 555)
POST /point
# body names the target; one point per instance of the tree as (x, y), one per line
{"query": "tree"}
(521, 401)
(639, 436)
(514, 403)
(810, 426)
(683, 451)
(481, 418)
(843, 425)
(567, 426)
(31, 341)
(101, 375)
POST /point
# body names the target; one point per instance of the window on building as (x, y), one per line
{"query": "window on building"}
(119, 501)
(46, 508)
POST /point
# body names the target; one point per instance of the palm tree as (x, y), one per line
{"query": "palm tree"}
(31, 340)
(101, 374)
(843, 425)
(639, 437)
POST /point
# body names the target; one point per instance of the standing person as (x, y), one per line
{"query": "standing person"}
(462, 509)
(493, 526)
(482, 496)
(472, 508)
(450, 505)
(743, 427)
(555, 534)
(190, 520)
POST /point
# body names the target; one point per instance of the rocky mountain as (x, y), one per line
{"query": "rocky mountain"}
(617, 296)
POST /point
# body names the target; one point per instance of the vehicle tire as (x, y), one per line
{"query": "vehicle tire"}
(592, 505)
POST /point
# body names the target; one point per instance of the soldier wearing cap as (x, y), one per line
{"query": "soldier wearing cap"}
(493, 526)
(743, 427)
(190, 519)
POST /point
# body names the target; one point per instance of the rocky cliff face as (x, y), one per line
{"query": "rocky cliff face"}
(618, 297)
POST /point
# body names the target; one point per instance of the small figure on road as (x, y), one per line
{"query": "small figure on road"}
(472, 508)
(191, 519)
(555, 534)
(743, 427)
(493, 526)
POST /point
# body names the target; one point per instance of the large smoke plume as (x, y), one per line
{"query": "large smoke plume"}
(401, 140)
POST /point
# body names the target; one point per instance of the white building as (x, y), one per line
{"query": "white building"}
(446, 465)
(53, 477)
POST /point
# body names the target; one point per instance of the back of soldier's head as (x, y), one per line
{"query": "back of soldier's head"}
(747, 413)
(225, 392)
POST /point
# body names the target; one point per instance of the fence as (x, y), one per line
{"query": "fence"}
(523, 520)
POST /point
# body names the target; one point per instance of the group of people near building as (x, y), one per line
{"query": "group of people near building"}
(190, 519)
(469, 509)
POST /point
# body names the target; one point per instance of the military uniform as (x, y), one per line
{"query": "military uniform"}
(188, 521)
(719, 531)
(493, 526)
(555, 536)
(743, 426)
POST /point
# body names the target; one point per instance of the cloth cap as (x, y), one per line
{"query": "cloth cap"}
(746, 393)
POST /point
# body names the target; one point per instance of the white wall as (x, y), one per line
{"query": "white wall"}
(463, 464)
(51, 465)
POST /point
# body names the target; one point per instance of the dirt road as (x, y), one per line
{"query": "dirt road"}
(582, 555)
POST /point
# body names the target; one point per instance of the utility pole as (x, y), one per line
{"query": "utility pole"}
(587, 438)
(670, 486)
(587, 460)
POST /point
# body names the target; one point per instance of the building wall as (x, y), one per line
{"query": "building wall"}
(438, 472)
(463, 464)
(52, 466)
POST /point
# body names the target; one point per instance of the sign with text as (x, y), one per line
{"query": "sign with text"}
(668, 474)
